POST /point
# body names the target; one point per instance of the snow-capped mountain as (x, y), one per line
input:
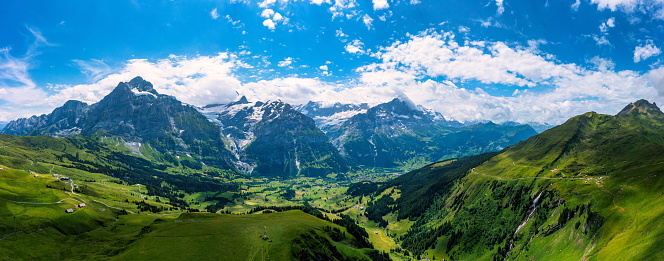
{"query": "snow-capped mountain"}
(273, 139)
(327, 117)
(398, 133)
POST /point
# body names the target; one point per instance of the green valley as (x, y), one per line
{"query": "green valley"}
(589, 189)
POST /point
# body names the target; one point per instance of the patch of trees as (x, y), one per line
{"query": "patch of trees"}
(145, 207)
(220, 204)
(422, 238)
(364, 188)
(289, 194)
(379, 208)
(360, 234)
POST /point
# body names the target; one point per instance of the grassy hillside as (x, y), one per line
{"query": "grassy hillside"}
(34, 225)
(238, 237)
(589, 189)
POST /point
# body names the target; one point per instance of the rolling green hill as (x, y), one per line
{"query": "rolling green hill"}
(589, 189)
(116, 223)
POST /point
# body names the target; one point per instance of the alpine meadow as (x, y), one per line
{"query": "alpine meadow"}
(332, 130)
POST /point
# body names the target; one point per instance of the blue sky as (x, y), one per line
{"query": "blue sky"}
(500, 60)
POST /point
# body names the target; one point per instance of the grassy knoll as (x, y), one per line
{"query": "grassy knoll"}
(229, 237)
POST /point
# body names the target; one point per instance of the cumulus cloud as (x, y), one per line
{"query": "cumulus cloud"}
(269, 24)
(355, 47)
(380, 4)
(610, 23)
(272, 18)
(644, 52)
(551, 91)
(656, 77)
(277, 17)
(286, 62)
(453, 77)
(267, 13)
(438, 55)
(214, 14)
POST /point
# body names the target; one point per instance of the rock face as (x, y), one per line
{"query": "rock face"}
(398, 133)
(641, 107)
(135, 112)
(61, 122)
(273, 139)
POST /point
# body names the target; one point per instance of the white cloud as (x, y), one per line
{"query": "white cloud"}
(273, 18)
(568, 89)
(214, 14)
(341, 7)
(17, 89)
(319, 2)
(199, 81)
(233, 22)
(656, 77)
(39, 41)
(438, 55)
(655, 8)
(501, 7)
(368, 21)
(613, 5)
(380, 4)
(355, 47)
(433, 69)
(490, 22)
(269, 24)
(610, 23)
(267, 13)
(602, 64)
(341, 35)
(94, 69)
(266, 3)
(644, 52)
(277, 17)
(601, 40)
(286, 62)
(576, 5)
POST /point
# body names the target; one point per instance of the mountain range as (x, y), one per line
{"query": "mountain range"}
(272, 138)
(589, 189)
(142, 118)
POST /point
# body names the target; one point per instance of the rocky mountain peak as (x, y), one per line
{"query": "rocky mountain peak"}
(641, 107)
(141, 85)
